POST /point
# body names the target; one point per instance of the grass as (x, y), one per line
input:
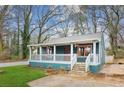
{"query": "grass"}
(18, 76)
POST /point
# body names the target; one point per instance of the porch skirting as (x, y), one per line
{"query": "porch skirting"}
(95, 68)
(51, 65)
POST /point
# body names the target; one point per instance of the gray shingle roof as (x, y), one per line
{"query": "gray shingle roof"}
(73, 39)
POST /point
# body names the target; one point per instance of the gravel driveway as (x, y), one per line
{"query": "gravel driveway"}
(67, 81)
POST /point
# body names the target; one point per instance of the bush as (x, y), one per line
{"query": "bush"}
(119, 54)
(14, 57)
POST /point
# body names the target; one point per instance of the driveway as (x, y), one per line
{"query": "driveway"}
(69, 81)
(14, 63)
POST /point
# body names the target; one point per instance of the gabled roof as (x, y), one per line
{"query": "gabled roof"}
(73, 39)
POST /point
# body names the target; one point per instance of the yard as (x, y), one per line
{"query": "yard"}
(18, 76)
(24, 76)
(111, 75)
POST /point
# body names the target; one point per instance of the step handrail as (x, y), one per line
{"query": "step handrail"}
(87, 62)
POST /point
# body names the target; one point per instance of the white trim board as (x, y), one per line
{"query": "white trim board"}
(57, 62)
(94, 63)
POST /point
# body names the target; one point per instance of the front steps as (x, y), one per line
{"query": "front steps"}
(78, 69)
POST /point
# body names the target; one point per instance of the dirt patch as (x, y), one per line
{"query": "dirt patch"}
(119, 61)
(113, 69)
(68, 81)
(51, 71)
(101, 77)
(111, 75)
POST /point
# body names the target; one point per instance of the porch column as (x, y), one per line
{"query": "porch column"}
(72, 52)
(99, 52)
(54, 53)
(94, 51)
(40, 52)
(30, 52)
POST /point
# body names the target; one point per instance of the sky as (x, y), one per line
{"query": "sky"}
(42, 9)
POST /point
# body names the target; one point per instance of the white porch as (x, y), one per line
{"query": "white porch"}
(55, 58)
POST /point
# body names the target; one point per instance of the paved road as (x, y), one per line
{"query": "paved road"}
(68, 81)
(14, 63)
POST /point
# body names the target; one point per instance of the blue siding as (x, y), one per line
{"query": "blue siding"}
(44, 50)
(81, 59)
(97, 48)
(75, 50)
(95, 68)
(51, 65)
(59, 49)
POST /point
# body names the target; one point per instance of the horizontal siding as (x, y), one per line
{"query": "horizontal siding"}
(51, 65)
(81, 59)
(95, 68)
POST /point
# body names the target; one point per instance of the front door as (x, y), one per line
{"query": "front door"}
(66, 51)
(83, 51)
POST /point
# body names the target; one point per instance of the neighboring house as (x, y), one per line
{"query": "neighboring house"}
(64, 53)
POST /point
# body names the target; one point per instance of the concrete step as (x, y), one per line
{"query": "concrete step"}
(76, 72)
(79, 67)
(80, 63)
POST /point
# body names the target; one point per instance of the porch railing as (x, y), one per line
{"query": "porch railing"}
(62, 57)
(58, 58)
(90, 60)
(35, 57)
(47, 57)
(50, 57)
(74, 60)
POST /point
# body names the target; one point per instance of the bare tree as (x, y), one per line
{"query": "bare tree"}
(3, 15)
(112, 17)
(47, 20)
(23, 20)
(67, 26)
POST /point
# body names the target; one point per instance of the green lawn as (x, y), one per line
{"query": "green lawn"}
(18, 76)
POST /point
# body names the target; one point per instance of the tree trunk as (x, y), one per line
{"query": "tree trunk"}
(25, 38)
(1, 43)
(113, 43)
(18, 36)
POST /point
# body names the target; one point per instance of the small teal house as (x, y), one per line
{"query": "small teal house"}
(64, 53)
